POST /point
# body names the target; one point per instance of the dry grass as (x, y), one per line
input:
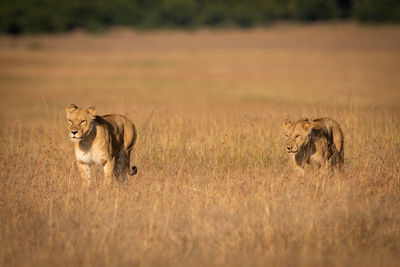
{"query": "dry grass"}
(214, 186)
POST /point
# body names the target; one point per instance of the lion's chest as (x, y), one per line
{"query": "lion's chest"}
(93, 155)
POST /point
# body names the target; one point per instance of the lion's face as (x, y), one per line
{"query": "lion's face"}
(297, 134)
(79, 121)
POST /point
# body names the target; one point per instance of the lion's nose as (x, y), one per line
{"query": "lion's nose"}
(74, 132)
(288, 148)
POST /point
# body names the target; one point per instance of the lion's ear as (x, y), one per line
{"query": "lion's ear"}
(71, 108)
(92, 110)
(286, 124)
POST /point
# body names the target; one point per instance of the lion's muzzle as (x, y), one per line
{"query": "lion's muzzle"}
(74, 135)
(290, 149)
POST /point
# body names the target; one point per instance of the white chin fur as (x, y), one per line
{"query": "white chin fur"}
(75, 140)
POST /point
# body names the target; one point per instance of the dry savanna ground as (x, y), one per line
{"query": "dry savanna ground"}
(214, 187)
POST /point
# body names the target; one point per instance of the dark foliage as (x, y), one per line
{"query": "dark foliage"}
(19, 16)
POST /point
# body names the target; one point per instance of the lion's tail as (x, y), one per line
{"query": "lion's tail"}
(130, 135)
(338, 139)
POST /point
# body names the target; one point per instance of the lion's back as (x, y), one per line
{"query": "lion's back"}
(334, 131)
(121, 126)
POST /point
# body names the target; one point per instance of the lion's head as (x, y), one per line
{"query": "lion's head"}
(299, 133)
(79, 121)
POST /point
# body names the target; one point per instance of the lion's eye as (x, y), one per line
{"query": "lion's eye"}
(83, 122)
(69, 121)
(297, 136)
(287, 136)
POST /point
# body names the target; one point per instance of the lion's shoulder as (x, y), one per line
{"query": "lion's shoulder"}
(119, 126)
(111, 121)
(326, 122)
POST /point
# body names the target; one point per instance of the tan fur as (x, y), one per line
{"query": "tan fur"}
(316, 142)
(103, 140)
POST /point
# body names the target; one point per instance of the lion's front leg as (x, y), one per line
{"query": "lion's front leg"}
(85, 172)
(299, 169)
(108, 168)
(297, 163)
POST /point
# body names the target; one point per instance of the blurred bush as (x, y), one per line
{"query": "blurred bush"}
(18, 16)
(378, 11)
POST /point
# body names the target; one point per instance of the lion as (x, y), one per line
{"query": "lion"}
(103, 140)
(317, 142)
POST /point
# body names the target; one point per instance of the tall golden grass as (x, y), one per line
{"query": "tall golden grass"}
(214, 187)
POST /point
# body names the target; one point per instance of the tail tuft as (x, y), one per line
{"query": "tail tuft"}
(134, 170)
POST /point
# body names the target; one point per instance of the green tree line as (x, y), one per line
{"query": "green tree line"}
(21, 16)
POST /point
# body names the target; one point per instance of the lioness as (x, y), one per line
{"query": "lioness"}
(104, 140)
(316, 142)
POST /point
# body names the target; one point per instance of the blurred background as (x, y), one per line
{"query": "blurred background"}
(22, 16)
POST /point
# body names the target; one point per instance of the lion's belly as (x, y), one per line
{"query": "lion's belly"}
(92, 156)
